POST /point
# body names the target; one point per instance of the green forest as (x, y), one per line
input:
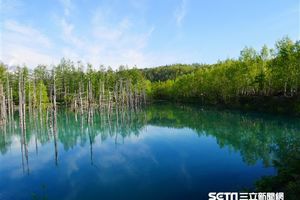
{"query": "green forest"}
(266, 80)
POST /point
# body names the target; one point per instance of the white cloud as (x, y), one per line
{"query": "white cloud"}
(17, 54)
(180, 12)
(26, 32)
(11, 7)
(118, 44)
(22, 44)
(68, 34)
(67, 6)
(110, 42)
(105, 42)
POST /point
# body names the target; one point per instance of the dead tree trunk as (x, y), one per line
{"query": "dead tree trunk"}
(75, 106)
(80, 99)
(8, 98)
(12, 104)
(116, 95)
(3, 107)
(34, 103)
(100, 96)
(90, 101)
(54, 103)
(24, 102)
(40, 105)
(21, 102)
(29, 100)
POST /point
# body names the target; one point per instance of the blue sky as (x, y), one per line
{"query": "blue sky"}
(144, 33)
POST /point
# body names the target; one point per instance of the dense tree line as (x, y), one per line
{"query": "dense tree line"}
(169, 72)
(70, 78)
(265, 73)
(269, 72)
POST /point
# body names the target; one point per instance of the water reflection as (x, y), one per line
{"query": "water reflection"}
(71, 130)
(256, 138)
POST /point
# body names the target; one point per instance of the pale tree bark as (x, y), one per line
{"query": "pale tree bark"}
(2, 105)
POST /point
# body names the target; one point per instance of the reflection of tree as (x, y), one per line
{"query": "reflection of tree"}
(274, 140)
(4, 142)
(72, 132)
(256, 137)
(287, 164)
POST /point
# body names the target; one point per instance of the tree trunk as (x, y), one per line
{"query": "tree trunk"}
(12, 104)
(20, 101)
(8, 98)
(285, 88)
(80, 99)
(2, 106)
(54, 104)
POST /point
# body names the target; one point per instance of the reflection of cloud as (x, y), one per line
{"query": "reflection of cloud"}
(112, 164)
(186, 174)
(121, 154)
(35, 162)
(72, 161)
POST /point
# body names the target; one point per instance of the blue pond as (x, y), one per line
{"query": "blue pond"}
(161, 152)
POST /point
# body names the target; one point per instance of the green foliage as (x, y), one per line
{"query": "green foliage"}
(265, 73)
(169, 72)
(2, 72)
(42, 94)
(288, 178)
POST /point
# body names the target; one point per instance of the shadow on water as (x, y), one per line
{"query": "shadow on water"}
(273, 140)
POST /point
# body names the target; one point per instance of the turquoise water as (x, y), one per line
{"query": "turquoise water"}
(161, 152)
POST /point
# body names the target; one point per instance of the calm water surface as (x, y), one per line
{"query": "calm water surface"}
(161, 152)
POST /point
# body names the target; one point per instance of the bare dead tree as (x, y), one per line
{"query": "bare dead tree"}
(8, 98)
(80, 99)
(21, 101)
(2, 106)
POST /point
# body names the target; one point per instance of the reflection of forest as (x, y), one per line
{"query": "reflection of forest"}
(274, 140)
(73, 129)
(256, 137)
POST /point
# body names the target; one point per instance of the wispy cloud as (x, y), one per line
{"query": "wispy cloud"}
(117, 43)
(24, 44)
(11, 7)
(26, 32)
(67, 5)
(110, 39)
(68, 33)
(180, 12)
(105, 42)
(72, 45)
